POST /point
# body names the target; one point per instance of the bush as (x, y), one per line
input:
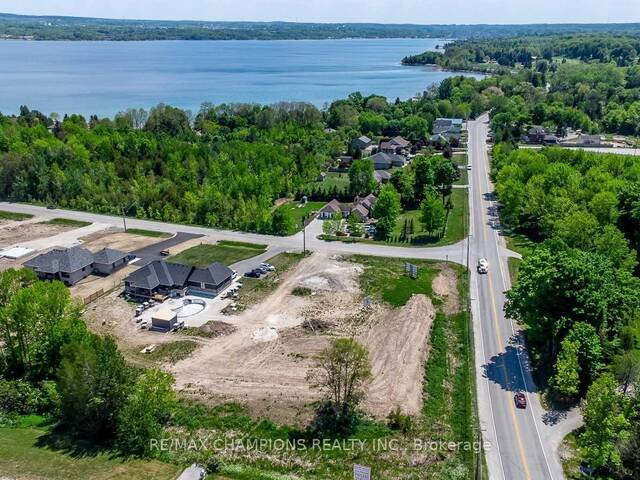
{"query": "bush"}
(22, 398)
(396, 420)
(301, 291)
(212, 465)
(334, 421)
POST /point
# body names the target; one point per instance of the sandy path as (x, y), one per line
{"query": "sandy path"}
(398, 347)
(445, 285)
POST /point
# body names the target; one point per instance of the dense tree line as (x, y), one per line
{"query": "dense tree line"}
(225, 173)
(577, 293)
(79, 28)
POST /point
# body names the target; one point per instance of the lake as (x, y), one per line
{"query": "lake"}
(106, 77)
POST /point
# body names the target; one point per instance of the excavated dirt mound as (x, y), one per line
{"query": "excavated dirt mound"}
(398, 347)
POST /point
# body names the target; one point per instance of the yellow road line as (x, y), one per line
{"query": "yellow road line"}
(494, 310)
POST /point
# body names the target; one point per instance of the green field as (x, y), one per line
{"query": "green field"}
(68, 222)
(385, 279)
(464, 177)
(147, 233)
(299, 213)
(205, 254)
(454, 230)
(34, 453)
(14, 215)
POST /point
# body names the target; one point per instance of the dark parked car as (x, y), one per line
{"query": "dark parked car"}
(52, 206)
(252, 274)
(164, 253)
(520, 399)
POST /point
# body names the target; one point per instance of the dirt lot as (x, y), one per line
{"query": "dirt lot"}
(263, 360)
(125, 242)
(25, 232)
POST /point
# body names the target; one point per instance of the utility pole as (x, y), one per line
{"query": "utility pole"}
(124, 219)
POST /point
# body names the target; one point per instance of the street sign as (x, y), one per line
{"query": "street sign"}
(361, 472)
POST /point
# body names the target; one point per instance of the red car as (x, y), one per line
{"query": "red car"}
(520, 399)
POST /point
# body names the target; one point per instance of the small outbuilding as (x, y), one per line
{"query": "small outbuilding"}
(164, 320)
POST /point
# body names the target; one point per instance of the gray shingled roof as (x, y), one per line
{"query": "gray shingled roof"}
(216, 273)
(66, 260)
(108, 256)
(160, 273)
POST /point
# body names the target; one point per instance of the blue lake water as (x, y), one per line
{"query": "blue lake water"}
(106, 77)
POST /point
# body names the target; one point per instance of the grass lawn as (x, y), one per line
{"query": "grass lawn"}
(514, 267)
(68, 222)
(299, 213)
(32, 453)
(253, 246)
(519, 243)
(385, 278)
(333, 181)
(464, 177)
(454, 230)
(205, 254)
(14, 215)
(147, 233)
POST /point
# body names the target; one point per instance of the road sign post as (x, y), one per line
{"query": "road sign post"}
(360, 472)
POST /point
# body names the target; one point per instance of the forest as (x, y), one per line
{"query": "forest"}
(223, 167)
(79, 28)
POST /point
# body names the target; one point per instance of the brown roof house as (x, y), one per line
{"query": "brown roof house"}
(361, 207)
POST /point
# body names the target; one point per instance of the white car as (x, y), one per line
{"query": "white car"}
(468, 167)
(483, 265)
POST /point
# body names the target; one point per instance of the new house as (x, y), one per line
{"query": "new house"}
(176, 280)
(70, 265)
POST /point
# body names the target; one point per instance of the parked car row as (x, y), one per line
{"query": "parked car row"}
(144, 306)
(262, 269)
(233, 291)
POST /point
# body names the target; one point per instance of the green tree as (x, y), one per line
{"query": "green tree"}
(444, 174)
(424, 176)
(605, 425)
(283, 222)
(626, 368)
(558, 287)
(165, 119)
(566, 380)
(36, 322)
(146, 411)
(94, 382)
(341, 371)
(361, 179)
(387, 210)
(355, 227)
(433, 214)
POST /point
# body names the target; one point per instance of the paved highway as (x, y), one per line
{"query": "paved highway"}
(519, 440)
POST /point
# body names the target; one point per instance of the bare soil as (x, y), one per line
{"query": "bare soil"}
(25, 232)
(445, 285)
(398, 346)
(124, 242)
(261, 356)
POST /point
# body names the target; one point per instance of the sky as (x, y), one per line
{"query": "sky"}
(380, 11)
